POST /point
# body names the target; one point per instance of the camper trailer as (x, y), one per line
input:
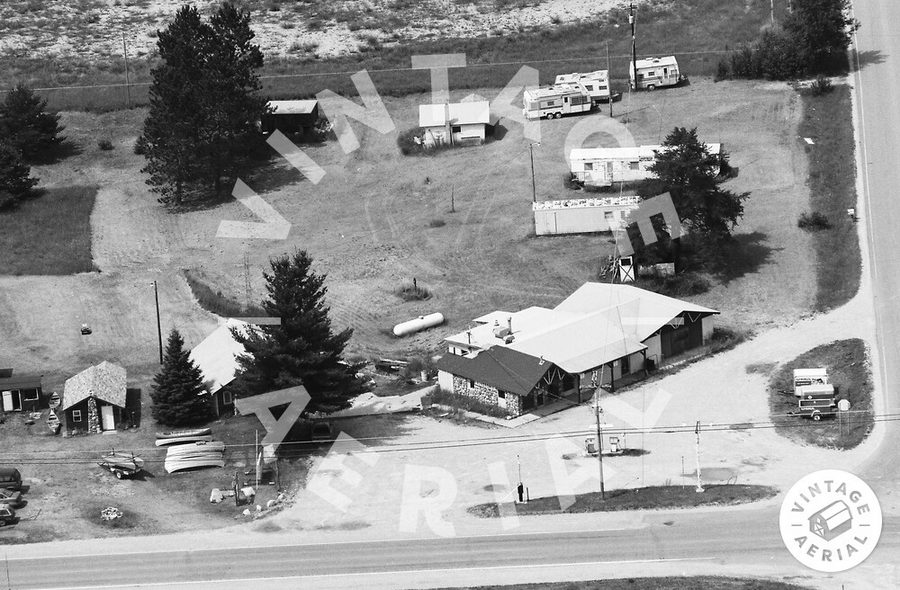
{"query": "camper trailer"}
(655, 72)
(802, 377)
(596, 84)
(556, 101)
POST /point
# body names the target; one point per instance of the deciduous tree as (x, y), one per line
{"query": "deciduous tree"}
(303, 349)
(822, 31)
(177, 395)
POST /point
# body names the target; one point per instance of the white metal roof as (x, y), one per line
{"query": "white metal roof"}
(554, 90)
(628, 153)
(293, 107)
(217, 355)
(461, 113)
(651, 62)
(599, 75)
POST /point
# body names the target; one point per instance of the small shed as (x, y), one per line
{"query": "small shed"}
(216, 357)
(94, 400)
(290, 116)
(461, 123)
(20, 393)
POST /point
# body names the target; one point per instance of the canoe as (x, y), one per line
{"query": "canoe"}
(163, 442)
(179, 464)
(214, 446)
(123, 460)
(183, 433)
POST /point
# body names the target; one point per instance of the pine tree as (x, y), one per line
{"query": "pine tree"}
(231, 94)
(15, 179)
(25, 124)
(302, 350)
(204, 102)
(178, 397)
(172, 128)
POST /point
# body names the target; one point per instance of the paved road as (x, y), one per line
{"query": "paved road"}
(878, 89)
(743, 537)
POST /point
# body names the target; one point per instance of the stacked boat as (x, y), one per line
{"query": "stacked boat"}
(191, 449)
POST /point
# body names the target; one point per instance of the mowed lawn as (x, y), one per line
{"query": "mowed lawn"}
(48, 234)
(662, 583)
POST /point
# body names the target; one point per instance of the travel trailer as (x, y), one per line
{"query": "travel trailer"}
(595, 83)
(655, 72)
(556, 101)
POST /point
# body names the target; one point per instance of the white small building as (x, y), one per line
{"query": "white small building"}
(604, 166)
(460, 123)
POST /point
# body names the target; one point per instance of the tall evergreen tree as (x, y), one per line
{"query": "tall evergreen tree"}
(15, 176)
(204, 102)
(231, 93)
(302, 350)
(178, 387)
(172, 128)
(26, 125)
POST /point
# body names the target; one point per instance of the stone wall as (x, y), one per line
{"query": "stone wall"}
(487, 395)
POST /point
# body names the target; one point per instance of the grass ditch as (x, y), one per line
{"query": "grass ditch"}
(848, 370)
(698, 32)
(48, 233)
(832, 186)
(661, 583)
(215, 302)
(648, 498)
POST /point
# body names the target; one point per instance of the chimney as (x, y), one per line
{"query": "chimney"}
(541, 362)
(509, 324)
(469, 336)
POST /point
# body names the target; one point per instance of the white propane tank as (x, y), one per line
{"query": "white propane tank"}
(420, 323)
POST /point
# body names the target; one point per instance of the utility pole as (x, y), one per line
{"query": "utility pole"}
(608, 80)
(697, 432)
(158, 326)
(597, 412)
(127, 83)
(633, 47)
(772, 10)
(452, 203)
(533, 187)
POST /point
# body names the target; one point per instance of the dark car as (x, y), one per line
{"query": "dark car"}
(10, 478)
(10, 498)
(7, 515)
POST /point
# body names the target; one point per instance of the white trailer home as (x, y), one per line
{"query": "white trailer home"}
(579, 216)
(596, 84)
(556, 101)
(604, 166)
(655, 72)
(460, 123)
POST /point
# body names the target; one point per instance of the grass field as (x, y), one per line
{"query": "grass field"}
(650, 498)
(832, 184)
(848, 369)
(698, 32)
(676, 583)
(48, 234)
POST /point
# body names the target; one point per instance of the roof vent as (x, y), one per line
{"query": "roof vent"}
(541, 362)
(509, 338)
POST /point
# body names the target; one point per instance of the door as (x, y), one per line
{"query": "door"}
(106, 414)
(7, 401)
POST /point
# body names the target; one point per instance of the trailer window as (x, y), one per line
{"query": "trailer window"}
(455, 129)
(588, 165)
(632, 165)
(651, 73)
(590, 87)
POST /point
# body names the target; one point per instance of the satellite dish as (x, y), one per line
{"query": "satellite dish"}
(843, 405)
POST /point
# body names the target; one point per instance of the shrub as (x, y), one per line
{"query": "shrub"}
(821, 85)
(724, 339)
(469, 404)
(721, 71)
(814, 221)
(437, 223)
(105, 145)
(140, 146)
(412, 292)
(570, 182)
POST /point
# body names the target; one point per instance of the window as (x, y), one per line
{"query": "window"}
(651, 74)
(471, 384)
(30, 395)
(76, 415)
(607, 215)
(588, 165)
(501, 394)
(632, 165)
(590, 87)
(626, 365)
(227, 397)
(455, 129)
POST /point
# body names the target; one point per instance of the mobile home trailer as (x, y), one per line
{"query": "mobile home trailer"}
(605, 166)
(596, 84)
(655, 72)
(556, 101)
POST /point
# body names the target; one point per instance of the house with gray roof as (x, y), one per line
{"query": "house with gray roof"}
(597, 336)
(94, 400)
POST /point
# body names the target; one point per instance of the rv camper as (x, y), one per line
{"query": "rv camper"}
(655, 72)
(556, 101)
(595, 83)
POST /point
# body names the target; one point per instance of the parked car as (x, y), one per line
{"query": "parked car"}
(10, 478)
(10, 497)
(7, 515)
